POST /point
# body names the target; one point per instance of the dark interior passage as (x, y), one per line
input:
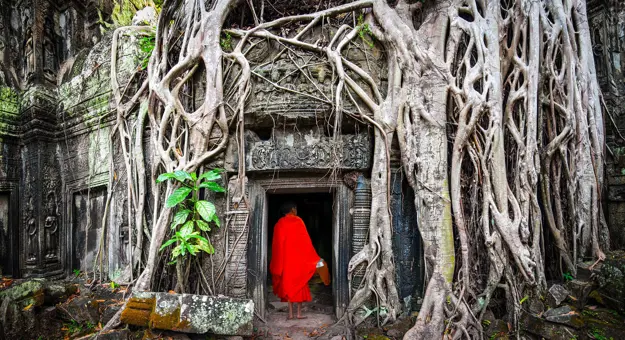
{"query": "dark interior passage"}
(7, 238)
(315, 209)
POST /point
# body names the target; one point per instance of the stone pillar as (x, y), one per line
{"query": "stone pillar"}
(361, 215)
(237, 243)
(406, 240)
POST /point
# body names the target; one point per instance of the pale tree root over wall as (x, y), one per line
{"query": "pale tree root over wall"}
(495, 105)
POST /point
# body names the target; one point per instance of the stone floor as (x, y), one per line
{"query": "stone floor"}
(319, 316)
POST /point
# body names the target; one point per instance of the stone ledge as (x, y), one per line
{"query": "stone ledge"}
(189, 313)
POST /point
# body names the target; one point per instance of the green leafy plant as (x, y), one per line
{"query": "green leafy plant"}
(146, 45)
(114, 285)
(597, 333)
(567, 276)
(226, 41)
(76, 272)
(194, 217)
(364, 31)
(73, 327)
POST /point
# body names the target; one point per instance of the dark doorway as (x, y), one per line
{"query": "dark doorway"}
(8, 238)
(316, 210)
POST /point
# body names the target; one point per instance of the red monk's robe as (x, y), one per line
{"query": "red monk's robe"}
(293, 260)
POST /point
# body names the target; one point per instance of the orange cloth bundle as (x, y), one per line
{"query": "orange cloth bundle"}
(324, 273)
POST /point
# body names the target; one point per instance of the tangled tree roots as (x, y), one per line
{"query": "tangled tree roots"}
(494, 103)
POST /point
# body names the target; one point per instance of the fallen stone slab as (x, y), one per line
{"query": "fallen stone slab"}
(564, 315)
(189, 313)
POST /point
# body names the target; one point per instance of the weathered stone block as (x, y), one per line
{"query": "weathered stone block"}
(612, 281)
(57, 292)
(579, 291)
(81, 309)
(564, 315)
(545, 329)
(190, 313)
(557, 294)
(29, 293)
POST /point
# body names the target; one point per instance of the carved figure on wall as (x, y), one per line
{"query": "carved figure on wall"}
(29, 53)
(51, 227)
(124, 235)
(31, 231)
(49, 50)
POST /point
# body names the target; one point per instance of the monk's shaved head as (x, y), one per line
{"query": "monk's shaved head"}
(288, 207)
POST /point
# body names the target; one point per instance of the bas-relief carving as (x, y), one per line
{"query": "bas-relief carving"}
(51, 227)
(350, 152)
(32, 232)
(49, 51)
(29, 54)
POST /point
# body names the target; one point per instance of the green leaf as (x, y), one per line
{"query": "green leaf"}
(164, 177)
(191, 249)
(194, 176)
(177, 251)
(177, 196)
(216, 220)
(199, 237)
(206, 209)
(181, 176)
(211, 175)
(168, 243)
(186, 230)
(212, 186)
(203, 225)
(180, 217)
(206, 246)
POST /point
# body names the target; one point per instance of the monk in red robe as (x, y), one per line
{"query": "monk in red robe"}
(293, 260)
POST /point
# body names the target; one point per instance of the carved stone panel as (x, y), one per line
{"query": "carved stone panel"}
(305, 150)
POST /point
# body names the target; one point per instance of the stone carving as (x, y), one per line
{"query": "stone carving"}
(350, 152)
(51, 227)
(31, 232)
(361, 215)
(238, 231)
(124, 234)
(29, 53)
(49, 50)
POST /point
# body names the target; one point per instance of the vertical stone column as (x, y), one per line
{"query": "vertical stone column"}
(406, 240)
(361, 215)
(238, 232)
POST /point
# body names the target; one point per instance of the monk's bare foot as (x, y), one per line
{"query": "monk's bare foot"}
(302, 317)
(290, 317)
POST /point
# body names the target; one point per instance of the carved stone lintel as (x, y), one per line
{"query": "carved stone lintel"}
(350, 152)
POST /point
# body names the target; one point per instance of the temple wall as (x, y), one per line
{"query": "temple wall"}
(607, 28)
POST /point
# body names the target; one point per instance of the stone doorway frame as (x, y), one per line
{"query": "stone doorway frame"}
(258, 243)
